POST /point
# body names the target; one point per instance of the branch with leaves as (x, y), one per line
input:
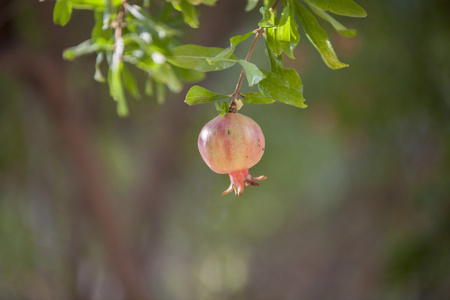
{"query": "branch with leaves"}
(128, 35)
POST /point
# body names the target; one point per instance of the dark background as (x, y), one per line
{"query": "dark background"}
(356, 204)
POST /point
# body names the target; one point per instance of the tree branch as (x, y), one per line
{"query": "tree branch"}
(237, 91)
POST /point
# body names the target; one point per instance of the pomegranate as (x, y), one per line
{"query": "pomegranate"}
(232, 144)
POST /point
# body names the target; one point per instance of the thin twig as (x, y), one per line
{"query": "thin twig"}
(237, 91)
(274, 5)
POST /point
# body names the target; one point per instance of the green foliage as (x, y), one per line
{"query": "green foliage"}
(338, 26)
(62, 12)
(319, 38)
(288, 35)
(126, 34)
(228, 52)
(199, 95)
(340, 7)
(223, 108)
(285, 86)
(257, 98)
(251, 4)
(115, 86)
(200, 58)
(253, 74)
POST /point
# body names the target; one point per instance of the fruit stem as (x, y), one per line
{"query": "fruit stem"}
(237, 91)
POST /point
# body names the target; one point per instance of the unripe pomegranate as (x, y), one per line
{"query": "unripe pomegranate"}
(232, 144)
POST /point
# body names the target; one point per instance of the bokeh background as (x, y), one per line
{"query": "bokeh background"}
(357, 200)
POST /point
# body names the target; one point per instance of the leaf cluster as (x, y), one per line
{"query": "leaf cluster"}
(127, 35)
(281, 36)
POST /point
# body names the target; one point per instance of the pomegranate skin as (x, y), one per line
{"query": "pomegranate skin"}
(232, 144)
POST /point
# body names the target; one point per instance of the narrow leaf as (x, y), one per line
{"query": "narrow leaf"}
(276, 61)
(199, 95)
(92, 4)
(251, 4)
(272, 38)
(195, 57)
(257, 98)
(165, 74)
(206, 2)
(267, 20)
(160, 93)
(340, 7)
(284, 86)
(62, 12)
(252, 73)
(319, 38)
(287, 32)
(223, 108)
(190, 14)
(226, 53)
(154, 26)
(98, 76)
(234, 41)
(87, 47)
(338, 26)
(187, 75)
(116, 88)
(130, 83)
(148, 87)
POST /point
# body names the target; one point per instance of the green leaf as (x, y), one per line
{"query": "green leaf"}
(226, 53)
(199, 95)
(257, 98)
(340, 7)
(160, 92)
(287, 33)
(98, 76)
(189, 12)
(62, 12)
(116, 88)
(252, 73)
(195, 57)
(251, 4)
(276, 61)
(338, 26)
(97, 31)
(97, 5)
(87, 47)
(284, 86)
(130, 83)
(156, 28)
(148, 87)
(223, 108)
(319, 38)
(235, 40)
(272, 39)
(206, 2)
(189, 75)
(165, 74)
(268, 18)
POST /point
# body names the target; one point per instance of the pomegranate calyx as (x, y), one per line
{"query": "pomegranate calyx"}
(241, 179)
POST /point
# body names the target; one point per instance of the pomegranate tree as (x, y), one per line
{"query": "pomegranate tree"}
(231, 144)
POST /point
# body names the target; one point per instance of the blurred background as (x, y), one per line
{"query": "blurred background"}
(357, 200)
